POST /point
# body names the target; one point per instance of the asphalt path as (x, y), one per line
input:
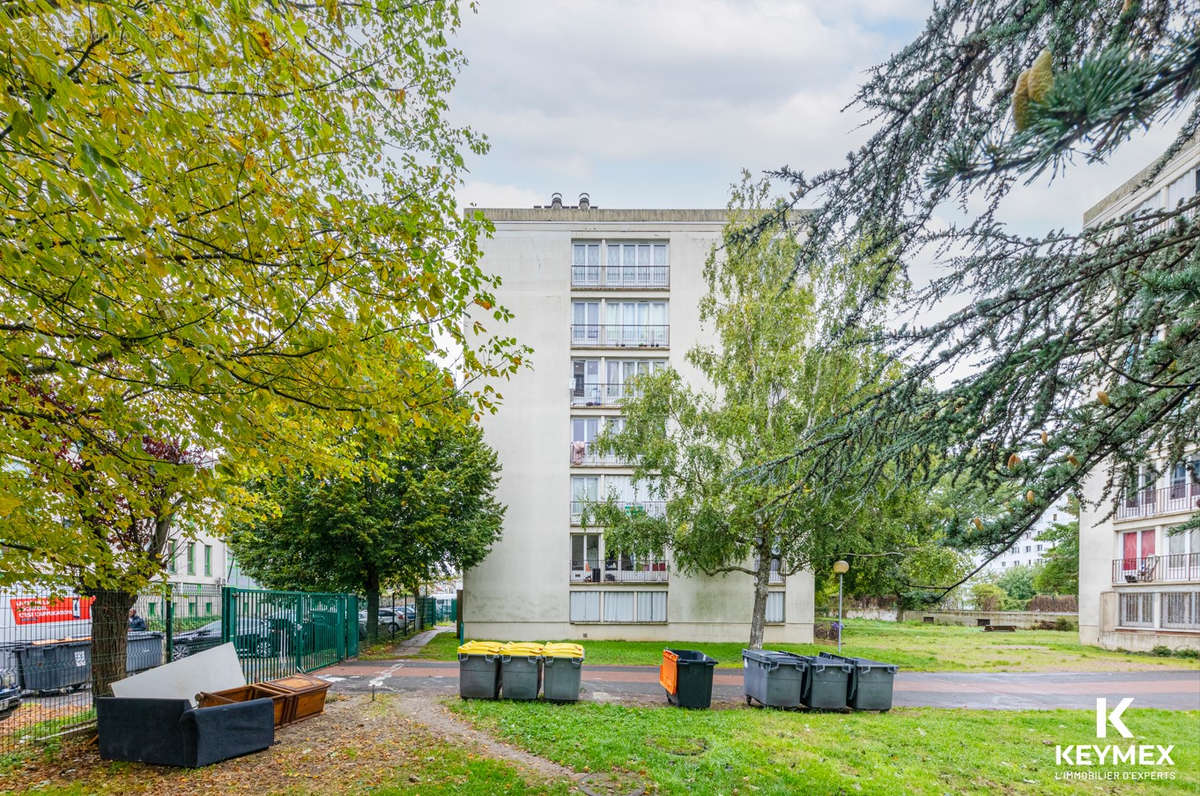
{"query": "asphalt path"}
(1174, 689)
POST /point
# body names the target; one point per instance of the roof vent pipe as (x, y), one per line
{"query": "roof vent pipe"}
(584, 201)
(556, 200)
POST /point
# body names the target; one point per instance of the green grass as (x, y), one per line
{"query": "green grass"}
(908, 750)
(442, 647)
(912, 645)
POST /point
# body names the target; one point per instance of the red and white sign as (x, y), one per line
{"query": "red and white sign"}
(35, 610)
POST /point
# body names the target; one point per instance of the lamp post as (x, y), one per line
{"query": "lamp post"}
(841, 567)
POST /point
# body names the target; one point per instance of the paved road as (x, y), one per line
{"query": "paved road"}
(1172, 689)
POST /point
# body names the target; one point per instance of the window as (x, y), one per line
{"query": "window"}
(1137, 609)
(585, 557)
(1181, 610)
(652, 606)
(585, 322)
(208, 560)
(619, 606)
(584, 488)
(635, 323)
(774, 614)
(208, 609)
(1183, 188)
(1183, 555)
(191, 607)
(585, 382)
(151, 609)
(191, 559)
(1137, 551)
(585, 263)
(585, 606)
(172, 559)
(1026, 548)
(636, 265)
(1039, 548)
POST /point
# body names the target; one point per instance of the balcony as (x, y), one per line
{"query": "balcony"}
(1169, 568)
(651, 508)
(622, 570)
(1182, 496)
(620, 335)
(583, 454)
(597, 394)
(624, 277)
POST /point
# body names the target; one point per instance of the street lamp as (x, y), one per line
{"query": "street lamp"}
(841, 567)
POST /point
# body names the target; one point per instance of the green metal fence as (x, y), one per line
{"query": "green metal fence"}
(280, 632)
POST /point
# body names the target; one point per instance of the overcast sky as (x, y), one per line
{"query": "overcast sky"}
(660, 103)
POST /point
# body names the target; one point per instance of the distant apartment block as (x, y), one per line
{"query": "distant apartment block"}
(602, 296)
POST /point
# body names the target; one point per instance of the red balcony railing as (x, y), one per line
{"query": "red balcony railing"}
(1184, 496)
(1168, 568)
(620, 335)
(618, 570)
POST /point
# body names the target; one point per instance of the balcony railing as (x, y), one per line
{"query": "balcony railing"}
(1169, 568)
(620, 335)
(597, 394)
(1183, 496)
(583, 454)
(621, 276)
(591, 570)
(652, 508)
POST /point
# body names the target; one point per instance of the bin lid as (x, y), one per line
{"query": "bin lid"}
(562, 650)
(861, 663)
(521, 648)
(686, 657)
(480, 648)
(775, 657)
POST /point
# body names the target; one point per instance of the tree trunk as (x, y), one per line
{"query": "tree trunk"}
(110, 623)
(899, 608)
(372, 604)
(761, 580)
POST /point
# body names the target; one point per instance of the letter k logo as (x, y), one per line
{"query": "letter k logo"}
(1104, 718)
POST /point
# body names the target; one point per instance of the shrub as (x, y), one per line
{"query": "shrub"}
(1161, 650)
(1063, 623)
(1187, 653)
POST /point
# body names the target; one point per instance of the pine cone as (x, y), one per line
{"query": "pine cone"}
(1040, 77)
(1020, 101)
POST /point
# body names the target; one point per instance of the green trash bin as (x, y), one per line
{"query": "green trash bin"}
(826, 683)
(562, 672)
(773, 679)
(871, 682)
(687, 676)
(521, 670)
(479, 670)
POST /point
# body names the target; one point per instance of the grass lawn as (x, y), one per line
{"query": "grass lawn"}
(912, 645)
(909, 750)
(357, 747)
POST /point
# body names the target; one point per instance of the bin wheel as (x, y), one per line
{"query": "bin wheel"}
(748, 702)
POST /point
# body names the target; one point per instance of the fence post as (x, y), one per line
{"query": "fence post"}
(169, 618)
(227, 619)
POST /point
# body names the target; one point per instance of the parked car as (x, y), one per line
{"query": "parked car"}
(255, 637)
(10, 693)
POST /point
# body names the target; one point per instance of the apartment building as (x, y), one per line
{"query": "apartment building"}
(1139, 584)
(1028, 550)
(601, 295)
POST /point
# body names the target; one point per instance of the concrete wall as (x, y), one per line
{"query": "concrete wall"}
(1021, 619)
(522, 589)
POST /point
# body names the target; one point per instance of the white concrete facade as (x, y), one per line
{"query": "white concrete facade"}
(593, 322)
(1139, 584)
(1028, 550)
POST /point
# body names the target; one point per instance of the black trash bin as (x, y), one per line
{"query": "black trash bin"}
(687, 676)
(773, 679)
(871, 682)
(826, 683)
(55, 665)
(143, 650)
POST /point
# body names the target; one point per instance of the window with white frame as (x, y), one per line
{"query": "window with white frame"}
(629, 264)
(585, 263)
(619, 607)
(584, 488)
(1183, 555)
(1136, 609)
(1181, 610)
(774, 612)
(585, 606)
(585, 323)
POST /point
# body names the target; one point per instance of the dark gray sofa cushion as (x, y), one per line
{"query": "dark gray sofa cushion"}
(171, 732)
